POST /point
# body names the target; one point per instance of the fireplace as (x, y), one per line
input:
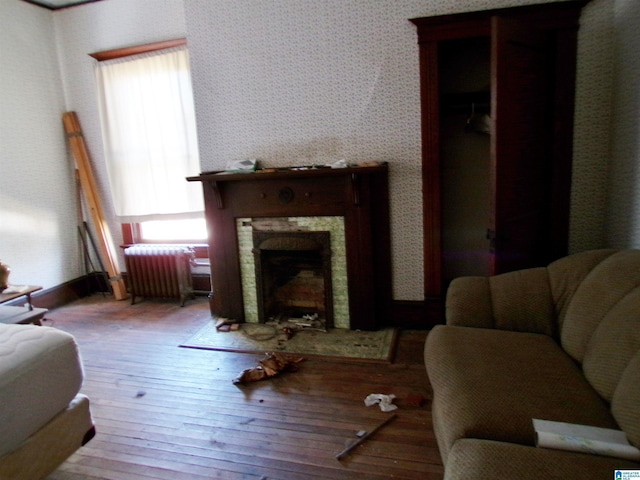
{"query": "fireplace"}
(293, 276)
(333, 239)
(356, 198)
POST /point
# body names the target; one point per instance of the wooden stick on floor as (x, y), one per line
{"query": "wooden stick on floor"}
(364, 437)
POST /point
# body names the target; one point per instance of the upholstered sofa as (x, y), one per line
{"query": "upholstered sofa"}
(560, 343)
(43, 417)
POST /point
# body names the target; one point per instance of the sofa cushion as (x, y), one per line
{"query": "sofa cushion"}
(532, 311)
(626, 400)
(601, 291)
(614, 343)
(566, 275)
(490, 384)
(490, 460)
(526, 305)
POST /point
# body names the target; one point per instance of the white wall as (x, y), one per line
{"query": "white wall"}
(286, 81)
(38, 227)
(99, 26)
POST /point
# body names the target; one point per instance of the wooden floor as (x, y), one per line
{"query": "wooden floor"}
(165, 412)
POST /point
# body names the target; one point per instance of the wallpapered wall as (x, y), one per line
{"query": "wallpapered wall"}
(623, 215)
(37, 214)
(289, 81)
(293, 81)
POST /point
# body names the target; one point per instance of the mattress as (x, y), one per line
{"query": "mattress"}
(40, 373)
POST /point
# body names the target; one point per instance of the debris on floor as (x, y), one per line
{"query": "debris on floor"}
(363, 437)
(283, 325)
(271, 366)
(226, 325)
(414, 400)
(290, 325)
(385, 401)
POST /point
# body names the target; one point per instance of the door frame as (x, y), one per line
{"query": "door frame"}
(562, 20)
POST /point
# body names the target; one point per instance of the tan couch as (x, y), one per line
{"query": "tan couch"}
(559, 343)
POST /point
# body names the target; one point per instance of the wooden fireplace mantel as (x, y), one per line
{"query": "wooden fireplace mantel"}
(359, 194)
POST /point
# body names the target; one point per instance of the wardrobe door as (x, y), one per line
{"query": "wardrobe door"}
(520, 165)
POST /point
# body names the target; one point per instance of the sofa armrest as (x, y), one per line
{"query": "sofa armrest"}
(519, 301)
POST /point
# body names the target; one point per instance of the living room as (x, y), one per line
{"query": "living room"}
(276, 118)
(264, 88)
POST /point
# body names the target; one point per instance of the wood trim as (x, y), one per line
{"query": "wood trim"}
(560, 18)
(358, 194)
(130, 233)
(66, 292)
(562, 147)
(546, 16)
(410, 314)
(404, 313)
(431, 195)
(137, 49)
(86, 285)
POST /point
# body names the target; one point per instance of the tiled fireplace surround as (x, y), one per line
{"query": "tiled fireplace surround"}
(351, 204)
(334, 226)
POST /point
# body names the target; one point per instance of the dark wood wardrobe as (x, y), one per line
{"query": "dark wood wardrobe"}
(497, 99)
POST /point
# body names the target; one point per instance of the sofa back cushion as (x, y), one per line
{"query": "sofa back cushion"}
(614, 343)
(598, 297)
(521, 301)
(626, 401)
(566, 275)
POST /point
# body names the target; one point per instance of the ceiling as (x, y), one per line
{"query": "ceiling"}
(57, 4)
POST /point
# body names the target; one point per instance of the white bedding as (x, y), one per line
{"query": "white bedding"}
(40, 373)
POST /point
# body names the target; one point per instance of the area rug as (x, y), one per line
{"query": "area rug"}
(377, 345)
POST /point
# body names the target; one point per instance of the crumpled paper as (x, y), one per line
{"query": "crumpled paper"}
(385, 401)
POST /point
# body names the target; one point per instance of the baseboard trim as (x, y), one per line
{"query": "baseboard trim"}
(418, 315)
(66, 292)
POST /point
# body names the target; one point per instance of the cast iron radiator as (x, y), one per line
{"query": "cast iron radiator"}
(160, 271)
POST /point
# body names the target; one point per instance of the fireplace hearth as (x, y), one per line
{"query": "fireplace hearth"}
(358, 195)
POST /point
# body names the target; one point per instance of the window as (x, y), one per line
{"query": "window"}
(149, 133)
(158, 231)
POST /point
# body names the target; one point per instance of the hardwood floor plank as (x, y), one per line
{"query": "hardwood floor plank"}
(163, 412)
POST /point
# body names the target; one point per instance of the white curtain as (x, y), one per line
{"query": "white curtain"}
(149, 132)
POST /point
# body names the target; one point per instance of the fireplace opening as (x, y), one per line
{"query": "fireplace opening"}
(293, 277)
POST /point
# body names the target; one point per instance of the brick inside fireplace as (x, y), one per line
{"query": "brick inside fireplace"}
(293, 276)
(248, 229)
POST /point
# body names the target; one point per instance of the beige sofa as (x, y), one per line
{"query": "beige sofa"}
(560, 343)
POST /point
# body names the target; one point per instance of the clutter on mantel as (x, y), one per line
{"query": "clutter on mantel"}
(253, 166)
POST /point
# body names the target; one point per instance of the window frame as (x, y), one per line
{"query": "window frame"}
(137, 49)
(131, 234)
